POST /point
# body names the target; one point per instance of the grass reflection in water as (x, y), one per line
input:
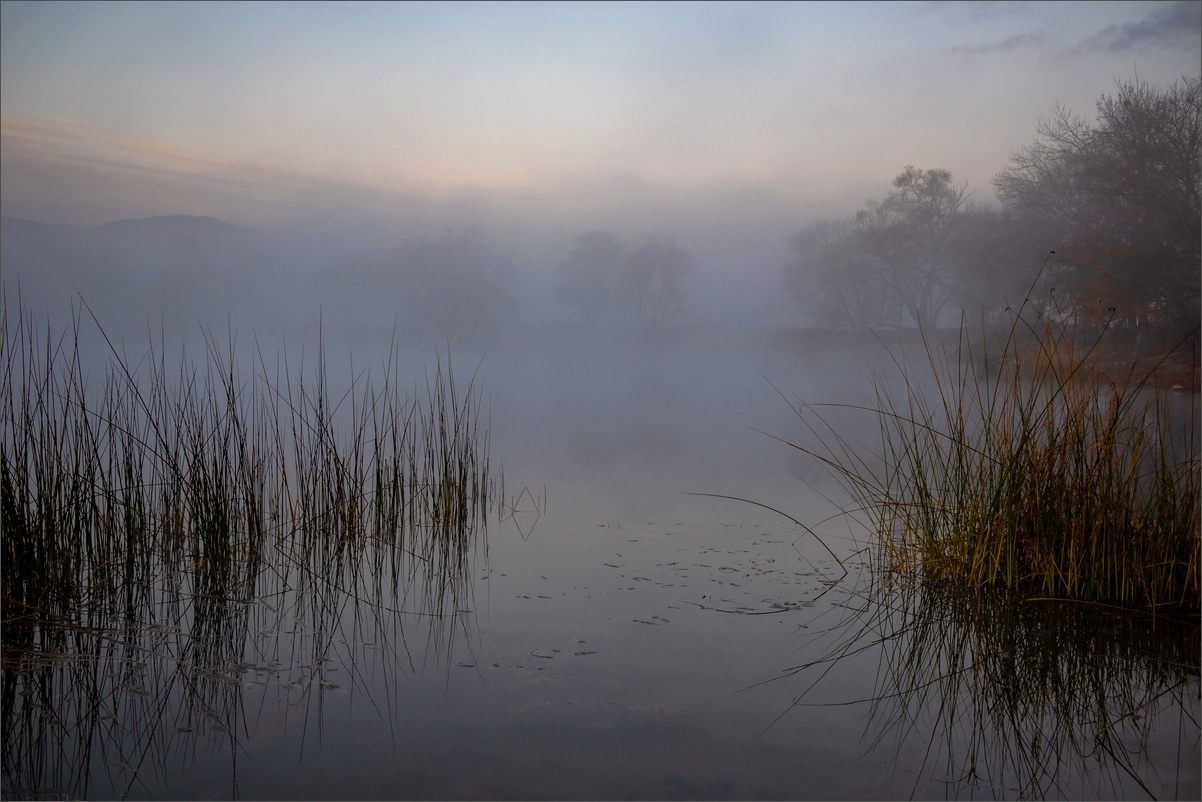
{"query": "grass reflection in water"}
(179, 543)
(984, 692)
(1034, 514)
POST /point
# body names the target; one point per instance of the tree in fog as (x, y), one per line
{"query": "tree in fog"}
(457, 284)
(592, 278)
(893, 258)
(991, 269)
(836, 280)
(655, 275)
(1119, 202)
(603, 276)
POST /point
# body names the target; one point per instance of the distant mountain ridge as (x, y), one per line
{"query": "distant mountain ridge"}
(176, 267)
(173, 221)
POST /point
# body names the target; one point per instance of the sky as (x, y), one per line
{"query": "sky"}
(540, 116)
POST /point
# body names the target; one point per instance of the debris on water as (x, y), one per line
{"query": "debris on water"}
(640, 621)
(582, 654)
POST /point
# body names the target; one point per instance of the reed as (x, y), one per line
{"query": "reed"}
(165, 531)
(200, 481)
(1025, 462)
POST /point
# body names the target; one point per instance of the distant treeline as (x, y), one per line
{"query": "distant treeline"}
(1118, 202)
(181, 271)
(606, 279)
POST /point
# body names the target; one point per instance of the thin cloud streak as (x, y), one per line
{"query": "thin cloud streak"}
(1177, 26)
(1032, 40)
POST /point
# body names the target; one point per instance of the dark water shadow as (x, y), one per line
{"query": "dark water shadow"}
(984, 693)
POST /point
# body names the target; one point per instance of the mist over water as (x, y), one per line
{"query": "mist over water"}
(451, 401)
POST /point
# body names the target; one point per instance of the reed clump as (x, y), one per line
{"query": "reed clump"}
(200, 483)
(1023, 463)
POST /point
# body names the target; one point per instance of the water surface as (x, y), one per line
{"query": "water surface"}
(615, 637)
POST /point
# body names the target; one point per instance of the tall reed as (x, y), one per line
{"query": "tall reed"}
(203, 479)
(1026, 464)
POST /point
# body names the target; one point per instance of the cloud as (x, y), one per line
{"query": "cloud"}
(1005, 46)
(1178, 25)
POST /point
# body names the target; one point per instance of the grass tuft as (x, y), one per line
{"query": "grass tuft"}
(201, 483)
(1032, 465)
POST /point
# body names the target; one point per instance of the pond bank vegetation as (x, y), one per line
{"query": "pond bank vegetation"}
(177, 538)
(201, 483)
(1032, 462)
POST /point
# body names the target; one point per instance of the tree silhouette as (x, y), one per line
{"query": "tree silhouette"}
(1118, 201)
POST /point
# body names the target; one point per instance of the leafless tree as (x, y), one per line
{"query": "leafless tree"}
(655, 275)
(604, 276)
(893, 259)
(1119, 201)
(592, 277)
(835, 279)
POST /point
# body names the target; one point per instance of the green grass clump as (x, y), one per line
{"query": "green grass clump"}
(1028, 465)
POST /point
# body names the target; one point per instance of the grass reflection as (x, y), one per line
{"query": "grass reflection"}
(183, 546)
(987, 693)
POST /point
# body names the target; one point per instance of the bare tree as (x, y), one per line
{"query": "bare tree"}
(604, 276)
(592, 278)
(1118, 201)
(834, 278)
(892, 259)
(910, 233)
(655, 276)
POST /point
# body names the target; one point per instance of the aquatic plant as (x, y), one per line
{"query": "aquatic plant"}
(161, 530)
(1028, 463)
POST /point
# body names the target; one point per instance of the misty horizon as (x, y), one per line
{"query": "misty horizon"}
(600, 400)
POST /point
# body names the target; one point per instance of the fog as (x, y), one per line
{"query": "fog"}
(321, 145)
(432, 177)
(689, 182)
(666, 244)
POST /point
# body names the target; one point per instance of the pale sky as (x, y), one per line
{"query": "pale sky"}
(277, 114)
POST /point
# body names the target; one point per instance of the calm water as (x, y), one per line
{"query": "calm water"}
(617, 638)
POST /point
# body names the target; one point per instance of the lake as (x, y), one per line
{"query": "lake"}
(610, 634)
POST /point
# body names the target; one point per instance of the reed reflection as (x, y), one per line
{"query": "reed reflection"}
(987, 692)
(182, 549)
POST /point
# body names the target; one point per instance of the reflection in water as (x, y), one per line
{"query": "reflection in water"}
(184, 559)
(984, 692)
(122, 704)
(360, 644)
